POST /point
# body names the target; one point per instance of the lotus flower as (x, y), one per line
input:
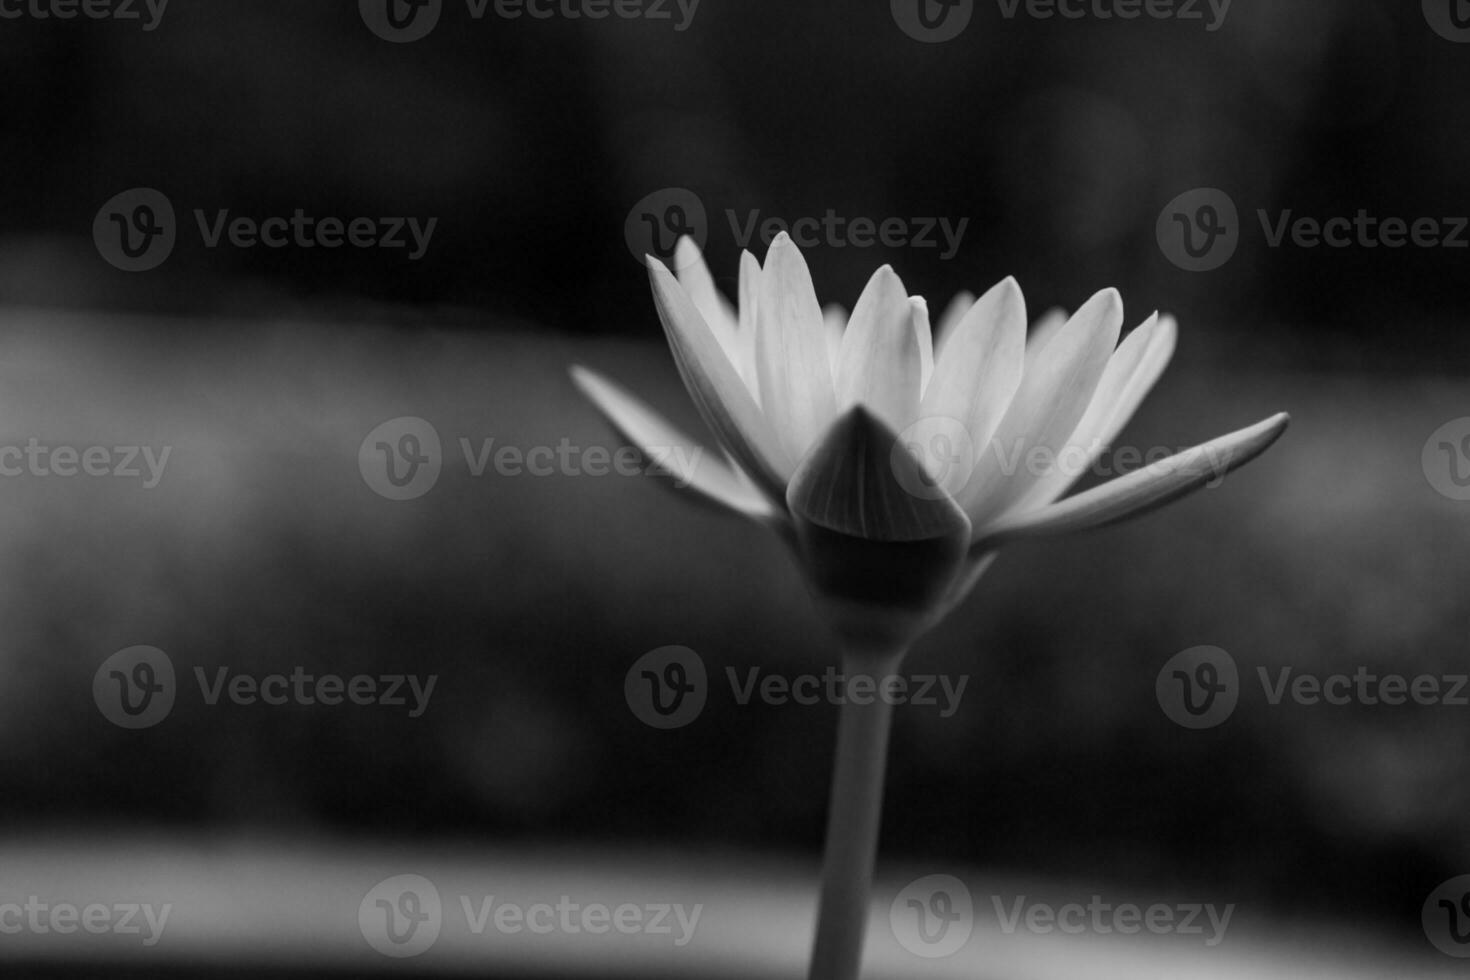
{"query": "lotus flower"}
(840, 434)
(808, 406)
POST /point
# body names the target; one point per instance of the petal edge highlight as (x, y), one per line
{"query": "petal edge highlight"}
(673, 451)
(1141, 491)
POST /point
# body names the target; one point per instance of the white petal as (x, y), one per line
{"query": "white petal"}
(924, 337)
(694, 276)
(1042, 331)
(1130, 375)
(879, 366)
(1054, 393)
(791, 352)
(750, 288)
(1139, 491)
(978, 372)
(677, 454)
(951, 317)
(718, 393)
(834, 325)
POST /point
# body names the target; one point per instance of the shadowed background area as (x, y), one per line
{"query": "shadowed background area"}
(1058, 143)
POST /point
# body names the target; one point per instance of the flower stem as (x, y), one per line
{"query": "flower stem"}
(854, 813)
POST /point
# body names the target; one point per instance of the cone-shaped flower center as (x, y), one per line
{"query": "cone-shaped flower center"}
(880, 557)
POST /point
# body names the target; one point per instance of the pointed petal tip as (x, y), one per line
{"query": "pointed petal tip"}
(885, 278)
(687, 252)
(1105, 303)
(1142, 490)
(588, 381)
(1110, 299)
(857, 480)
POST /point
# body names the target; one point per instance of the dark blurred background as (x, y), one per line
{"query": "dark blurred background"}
(531, 142)
(1059, 140)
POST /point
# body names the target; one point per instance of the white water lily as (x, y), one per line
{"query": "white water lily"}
(807, 406)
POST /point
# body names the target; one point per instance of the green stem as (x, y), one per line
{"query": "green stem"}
(854, 813)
